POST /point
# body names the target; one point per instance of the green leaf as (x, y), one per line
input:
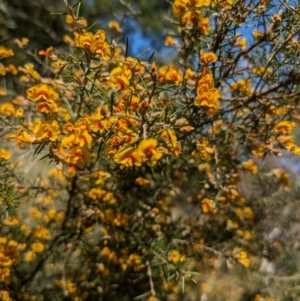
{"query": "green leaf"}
(141, 297)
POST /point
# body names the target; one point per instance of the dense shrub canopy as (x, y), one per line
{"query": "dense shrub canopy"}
(155, 182)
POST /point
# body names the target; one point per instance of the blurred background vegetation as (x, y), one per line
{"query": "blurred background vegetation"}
(142, 20)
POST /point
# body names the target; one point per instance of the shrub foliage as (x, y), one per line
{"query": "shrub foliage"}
(143, 197)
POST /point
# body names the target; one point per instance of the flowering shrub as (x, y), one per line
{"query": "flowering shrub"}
(134, 146)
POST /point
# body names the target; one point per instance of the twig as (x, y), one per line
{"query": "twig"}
(150, 278)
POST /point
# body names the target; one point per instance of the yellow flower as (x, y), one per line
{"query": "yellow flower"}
(25, 42)
(207, 205)
(51, 214)
(59, 217)
(12, 69)
(114, 25)
(243, 259)
(4, 296)
(170, 74)
(128, 156)
(241, 43)
(11, 221)
(7, 109)
(243, 86)
(42, 233)
(190, 74)
(102, 48)
(284, 127)
(190, 19)
(208, 57)
(169, 41)
(141, 181)
(42, 92)
(69, 19)
(169, 138)
(47, 107)
(257, 34)
(19, 113)
(250, 165)
(5, 52)
(4, 154)
(206, 81)
(46, 130)
(5, 261)
(282, 177)
(203, 26)
(120, 77)
(201, 3)
(77, 156)
(175, 257)
(100, 35)
(25, 230)
(179, 6)
(29, 256)
(48, 53)
(148, 150)
(84, 40)
(259, 150)
(68, 40)
(35, 213)
(37, 247)
(209, 100)
(96, 193)
(262, 70)
(248, 213)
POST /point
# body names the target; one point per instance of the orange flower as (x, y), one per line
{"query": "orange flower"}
(48, 53)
